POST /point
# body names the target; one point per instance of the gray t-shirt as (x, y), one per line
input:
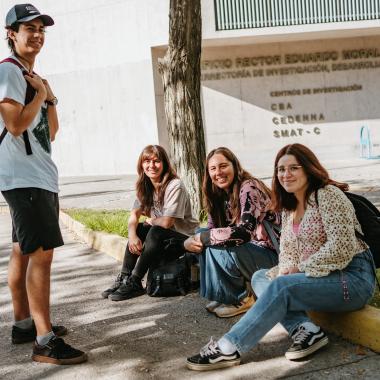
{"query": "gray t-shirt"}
(17, 169)
(176, 204)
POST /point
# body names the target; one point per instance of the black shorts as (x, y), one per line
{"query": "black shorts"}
(35, 218)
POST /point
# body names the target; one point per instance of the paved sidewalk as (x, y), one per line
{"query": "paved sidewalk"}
(149, 338)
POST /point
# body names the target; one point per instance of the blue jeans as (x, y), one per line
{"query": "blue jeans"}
(225, 271)
(287, 298)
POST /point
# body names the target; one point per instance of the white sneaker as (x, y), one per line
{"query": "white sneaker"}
(210, 307)
(226, 311)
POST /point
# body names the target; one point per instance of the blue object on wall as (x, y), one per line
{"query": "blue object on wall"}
(365, 143)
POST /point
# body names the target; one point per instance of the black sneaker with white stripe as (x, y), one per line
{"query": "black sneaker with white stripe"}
(305, 342)
(210, 357)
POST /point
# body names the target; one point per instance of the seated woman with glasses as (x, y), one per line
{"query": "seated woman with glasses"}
(323, 265)
(235, 244)
(162, 197)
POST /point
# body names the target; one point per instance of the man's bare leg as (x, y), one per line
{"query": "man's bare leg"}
(17, 268)
(38, 289)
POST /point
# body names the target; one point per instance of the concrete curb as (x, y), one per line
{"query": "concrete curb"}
(360, 327)
(112, 245)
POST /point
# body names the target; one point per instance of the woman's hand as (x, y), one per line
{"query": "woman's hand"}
(290, 270)
(193, 244)
(135, 245)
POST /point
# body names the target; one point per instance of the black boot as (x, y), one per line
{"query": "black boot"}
(117, 283)
(130, 288)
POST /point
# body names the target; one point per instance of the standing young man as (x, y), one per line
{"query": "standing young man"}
(29, 184)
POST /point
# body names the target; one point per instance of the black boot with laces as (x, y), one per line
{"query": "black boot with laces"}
(130, 288)
(118, 281)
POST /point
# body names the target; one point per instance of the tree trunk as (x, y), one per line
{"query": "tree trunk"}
(180, 71)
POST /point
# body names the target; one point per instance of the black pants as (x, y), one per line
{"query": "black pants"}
(160, 245)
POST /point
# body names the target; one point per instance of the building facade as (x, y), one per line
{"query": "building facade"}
(273, 72)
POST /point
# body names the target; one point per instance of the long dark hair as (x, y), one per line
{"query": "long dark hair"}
(144, 186)
(214, 197)
(317, 177)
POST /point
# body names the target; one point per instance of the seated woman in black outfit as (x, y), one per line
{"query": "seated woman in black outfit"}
(162, 197)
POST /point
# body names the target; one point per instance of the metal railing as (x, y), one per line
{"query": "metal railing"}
(242, 14)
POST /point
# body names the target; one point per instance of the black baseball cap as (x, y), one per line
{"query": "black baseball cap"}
(24, 13)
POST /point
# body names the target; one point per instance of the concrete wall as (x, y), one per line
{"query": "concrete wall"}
(258, 98)
(97, 58)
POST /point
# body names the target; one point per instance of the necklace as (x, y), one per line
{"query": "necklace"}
(297, 219)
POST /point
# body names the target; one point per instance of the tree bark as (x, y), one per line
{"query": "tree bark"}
(180, 71)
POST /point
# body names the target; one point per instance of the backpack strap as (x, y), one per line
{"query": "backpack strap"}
(29, 95)
(157, 288)
(269, 228)
(28, 147)
(3, 133)
(357, 233)
(181, 286)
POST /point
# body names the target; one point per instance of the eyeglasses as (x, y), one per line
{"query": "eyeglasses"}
(292, 169)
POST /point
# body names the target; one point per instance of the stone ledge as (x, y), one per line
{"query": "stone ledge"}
(360, 327)
(110, 244)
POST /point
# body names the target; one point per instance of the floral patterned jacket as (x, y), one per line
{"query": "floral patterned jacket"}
(254, 204)
(326, 240)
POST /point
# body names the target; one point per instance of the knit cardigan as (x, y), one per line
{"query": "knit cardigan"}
(326, 240)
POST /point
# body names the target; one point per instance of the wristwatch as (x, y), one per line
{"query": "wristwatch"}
(52, 102)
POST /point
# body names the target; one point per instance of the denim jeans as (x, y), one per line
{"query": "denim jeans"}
(225, 271)
(286, 299)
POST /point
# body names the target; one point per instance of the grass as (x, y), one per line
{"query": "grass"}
(111, 221)
(376, 298)
(116, 222)
(203, 218)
